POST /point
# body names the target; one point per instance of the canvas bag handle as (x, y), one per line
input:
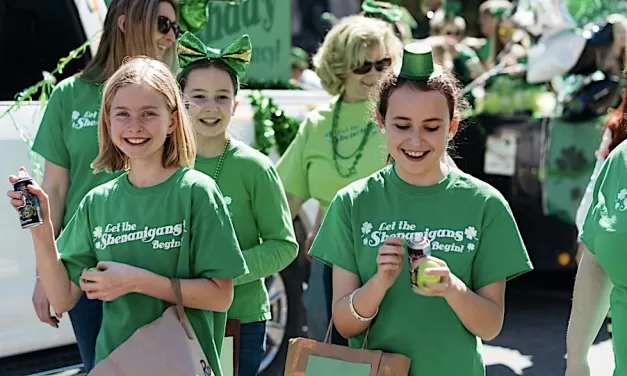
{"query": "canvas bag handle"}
(180, 310)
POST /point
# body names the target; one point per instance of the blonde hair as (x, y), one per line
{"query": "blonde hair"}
(180, 147)
(137, 39)
(344, 49)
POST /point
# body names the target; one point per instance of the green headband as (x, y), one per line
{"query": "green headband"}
(236, 55)
(392, 14)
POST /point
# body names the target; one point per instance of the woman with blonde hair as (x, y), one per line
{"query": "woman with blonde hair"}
(338, 143)
(68, 141)
(138, 247)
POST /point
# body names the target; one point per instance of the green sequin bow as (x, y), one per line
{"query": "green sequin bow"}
(236, 55)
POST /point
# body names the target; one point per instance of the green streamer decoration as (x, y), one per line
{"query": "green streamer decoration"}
(44, 88)
(273, 127)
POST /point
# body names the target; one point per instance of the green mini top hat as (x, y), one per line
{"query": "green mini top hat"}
(418, 62)
(236, 55)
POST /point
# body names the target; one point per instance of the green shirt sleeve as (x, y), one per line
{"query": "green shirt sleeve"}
(501, 253)
(603, 226)
(292, 168)
(278, 246)
(215, 252)
(75, 245)
(334, 244)
(50, 142)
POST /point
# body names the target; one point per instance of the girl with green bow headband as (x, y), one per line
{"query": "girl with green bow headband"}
(254, 195)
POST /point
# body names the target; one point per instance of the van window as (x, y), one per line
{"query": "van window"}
(34, 35)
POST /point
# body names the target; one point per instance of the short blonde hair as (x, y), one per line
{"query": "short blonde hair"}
(180, 146)
(140, 24)
(344, 49)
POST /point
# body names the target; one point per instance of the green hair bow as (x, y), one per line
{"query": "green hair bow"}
(236, 55)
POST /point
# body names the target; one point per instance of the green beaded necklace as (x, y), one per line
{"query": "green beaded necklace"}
(216, 174)
(357, 154)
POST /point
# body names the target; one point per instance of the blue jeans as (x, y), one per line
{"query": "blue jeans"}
(252, 346)
(86, 318)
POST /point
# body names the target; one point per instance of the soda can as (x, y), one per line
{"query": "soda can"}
(30, 212)
(417, 247)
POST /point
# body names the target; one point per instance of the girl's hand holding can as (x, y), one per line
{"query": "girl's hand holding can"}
(448, 283)
(18, 199)
(390, 262)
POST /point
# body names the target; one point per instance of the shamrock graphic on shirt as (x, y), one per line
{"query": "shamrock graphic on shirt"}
(97, 235)
(621, 200)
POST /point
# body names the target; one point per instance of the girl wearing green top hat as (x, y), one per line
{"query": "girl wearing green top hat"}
(252, 189)
(476, 250)
(67, 136)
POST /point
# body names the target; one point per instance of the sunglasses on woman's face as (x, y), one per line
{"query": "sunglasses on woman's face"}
(378, 65)
(164, 25)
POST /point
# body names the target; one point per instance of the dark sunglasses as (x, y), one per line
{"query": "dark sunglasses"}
(378, 65)
(164, 25)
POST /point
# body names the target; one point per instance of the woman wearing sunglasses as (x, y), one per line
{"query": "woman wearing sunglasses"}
(338, 143)
(68, 134)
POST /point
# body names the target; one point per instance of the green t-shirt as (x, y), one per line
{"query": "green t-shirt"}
(68, 137)
(605, 234)
(307, 167)
(262, 221)
(179, 228)
(471, 228)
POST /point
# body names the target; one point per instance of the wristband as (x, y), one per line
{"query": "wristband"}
(354, 312)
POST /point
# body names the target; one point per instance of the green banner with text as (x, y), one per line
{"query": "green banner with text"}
(267, 22)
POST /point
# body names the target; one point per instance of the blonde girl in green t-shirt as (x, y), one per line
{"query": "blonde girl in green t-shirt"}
(474, 241)
(67, 136)
(255, 197)
(158, 220)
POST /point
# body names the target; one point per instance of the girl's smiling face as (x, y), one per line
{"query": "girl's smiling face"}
(212, 100)
(418, 127)
(140, 122)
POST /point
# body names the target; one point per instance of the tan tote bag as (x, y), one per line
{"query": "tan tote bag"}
(165, 347)
(306, 357)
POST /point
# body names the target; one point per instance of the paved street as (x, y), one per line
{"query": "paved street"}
(532, 341)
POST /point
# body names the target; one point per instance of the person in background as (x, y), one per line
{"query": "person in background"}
(302, 76)
(338, 143)
(253, 192)
(158, 220)
(448, 38)
(600, 282)
(68, 140)
(490, 13)
(473, 253)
